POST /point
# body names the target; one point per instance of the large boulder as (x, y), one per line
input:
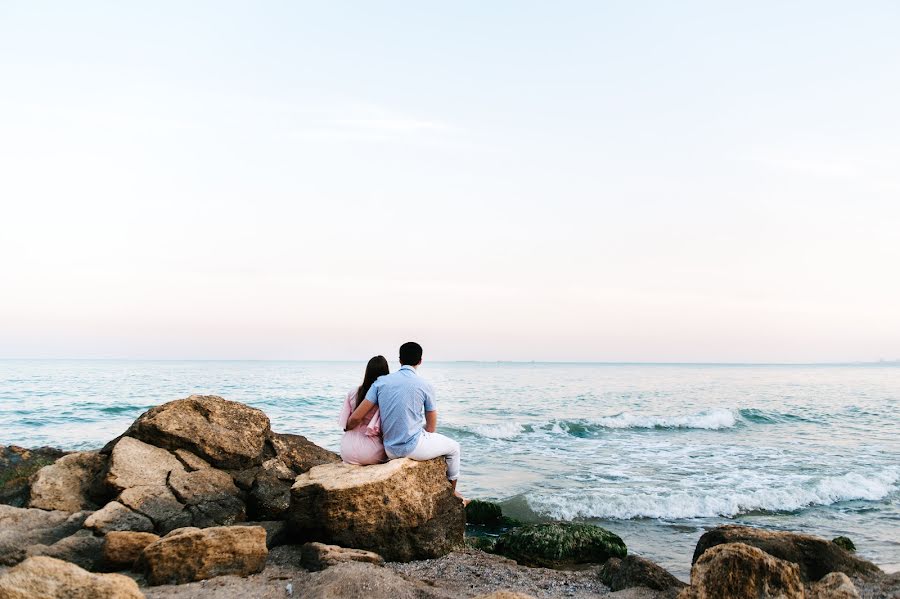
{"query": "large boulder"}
(560, 544)
(17, 464)
(49, 578)
(739, 571)
(69, 484)
(227, 434)
(172, 490)
(21, 528)
(403, 510)
(122, 548)
(82, 549)
(191, 554)
(635, 571)
(815, 556)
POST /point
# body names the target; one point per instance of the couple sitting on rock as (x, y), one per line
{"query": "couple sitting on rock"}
(393, 416)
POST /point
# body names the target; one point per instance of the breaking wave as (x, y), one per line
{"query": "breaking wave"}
(620, 504)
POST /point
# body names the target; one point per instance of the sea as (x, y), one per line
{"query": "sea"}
(657, 453)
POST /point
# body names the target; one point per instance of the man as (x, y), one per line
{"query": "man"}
(402, 397)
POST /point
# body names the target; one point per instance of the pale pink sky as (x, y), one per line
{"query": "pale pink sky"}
(606, 183)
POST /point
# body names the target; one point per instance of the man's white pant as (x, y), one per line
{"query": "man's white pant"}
(432, 445)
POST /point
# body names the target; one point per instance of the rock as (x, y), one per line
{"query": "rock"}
(836, 585)
(189, 555)
(48, 578)
(504, 595)
(82, 549)
(115, 516)
(739, 571)
(560, 544)
(276, 531)
(275, 467)
(211, 497)
(160, 505)
(300, 454)
(487, 544)
(403, 509)
(815, 556)
(643, 593)
(69, 484)
(122, 548)
(22, 527)
(17, 464)
(484, 512)
(270, 497)
(318, 556)
(844, 543)
(227, 434)
(355, 579)
(635, 571)
(133, 463)
(244, 478)
(157, 484)
(191, 461)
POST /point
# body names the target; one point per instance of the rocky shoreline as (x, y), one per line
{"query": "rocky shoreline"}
(200, 498)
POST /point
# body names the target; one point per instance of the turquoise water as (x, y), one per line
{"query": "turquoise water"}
(656, 453)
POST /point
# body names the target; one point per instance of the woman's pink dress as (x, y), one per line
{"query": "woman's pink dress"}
(361, 445)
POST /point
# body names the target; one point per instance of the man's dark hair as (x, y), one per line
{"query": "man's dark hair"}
(410, 354)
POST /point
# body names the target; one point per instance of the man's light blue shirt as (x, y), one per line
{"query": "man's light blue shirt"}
(403, 397)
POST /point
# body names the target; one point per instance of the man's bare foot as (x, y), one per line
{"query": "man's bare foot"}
(464, 500)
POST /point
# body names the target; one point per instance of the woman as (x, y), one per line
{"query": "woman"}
(362, 445)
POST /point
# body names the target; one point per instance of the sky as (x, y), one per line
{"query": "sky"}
(572, 181)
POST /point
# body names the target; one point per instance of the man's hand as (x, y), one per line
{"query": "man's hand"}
(356, 418)
(431, 421)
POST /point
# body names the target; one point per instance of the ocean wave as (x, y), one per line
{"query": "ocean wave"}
(709, 420)
(758, 416)
(713, 420)
(709, 503)
(502, 430)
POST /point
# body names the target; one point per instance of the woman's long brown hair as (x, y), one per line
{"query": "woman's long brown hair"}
(376, 367)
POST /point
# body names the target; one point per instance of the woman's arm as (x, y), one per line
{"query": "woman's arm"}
(431, 421)
(345, 412)
(356, 418)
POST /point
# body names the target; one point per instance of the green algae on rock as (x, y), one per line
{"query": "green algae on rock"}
(844, 543)
(560, 544)
(486, 544)
(17, 464)
(484, 512)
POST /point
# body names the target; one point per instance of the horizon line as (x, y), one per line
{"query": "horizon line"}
(882, 361)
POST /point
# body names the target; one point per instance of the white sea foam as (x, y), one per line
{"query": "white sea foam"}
(707, 503)
(711, 420)
(501, 430)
